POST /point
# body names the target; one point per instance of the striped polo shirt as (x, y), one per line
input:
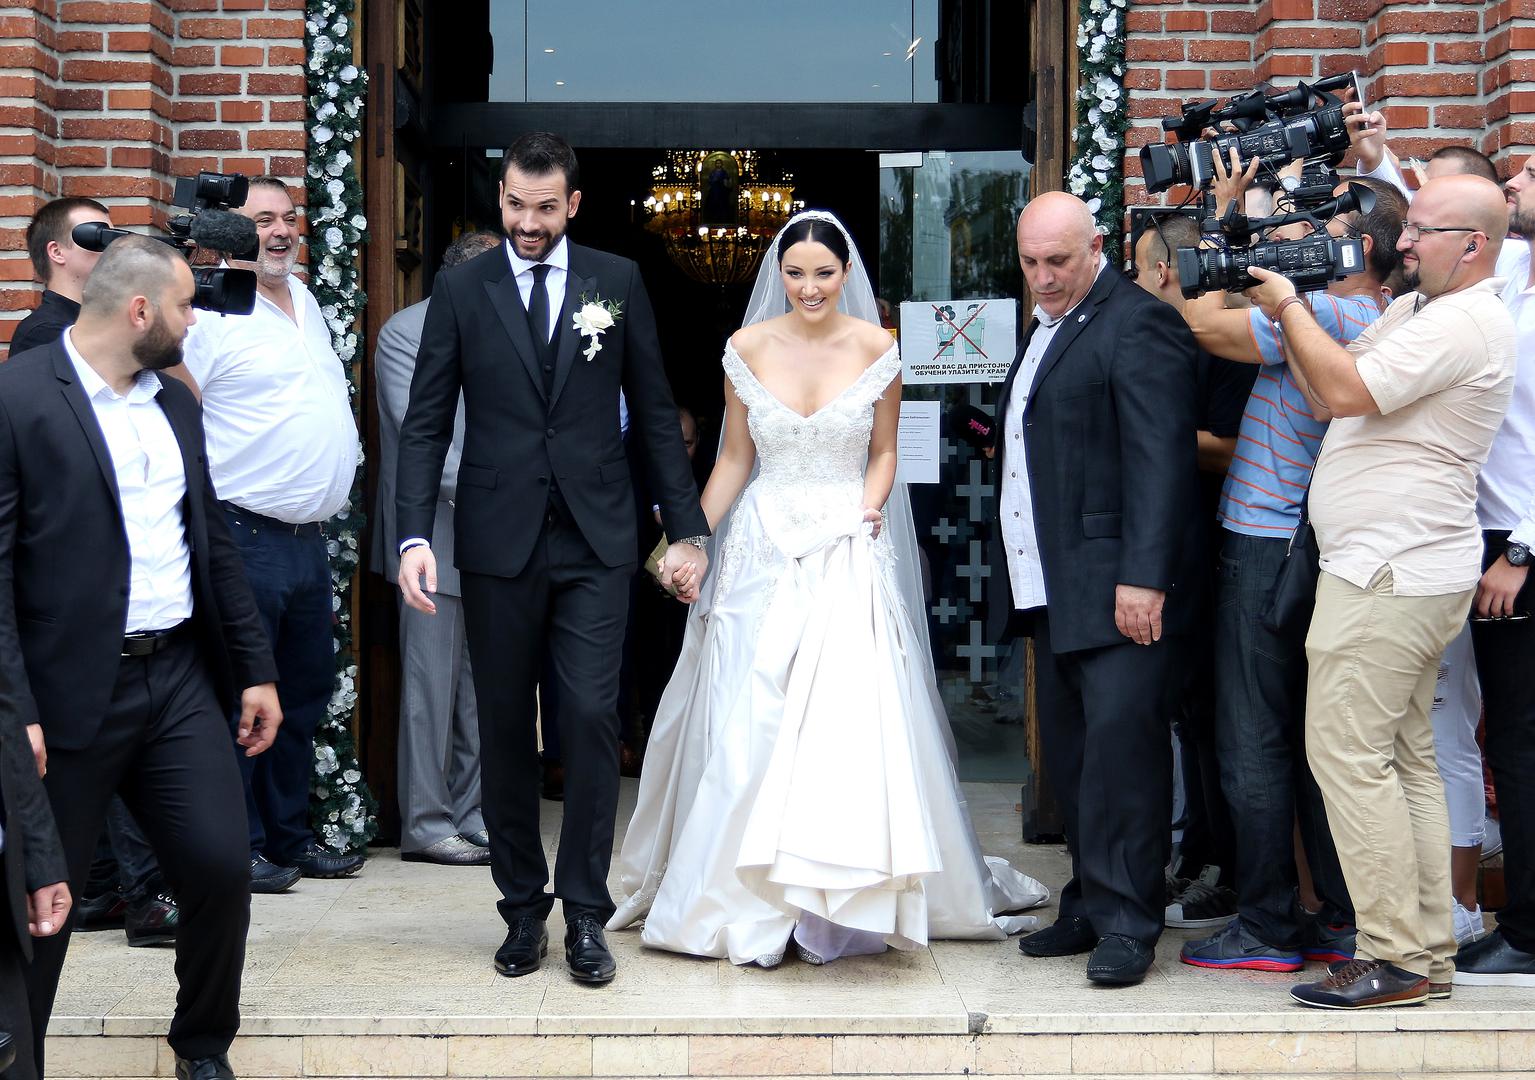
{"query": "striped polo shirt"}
(1279, 440)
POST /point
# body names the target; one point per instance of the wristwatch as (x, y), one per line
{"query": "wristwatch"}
(1517, 554)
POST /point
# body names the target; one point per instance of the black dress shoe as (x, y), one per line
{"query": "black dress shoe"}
(1363, 984)
(523, 951)
(7, 1051)
(153, 921)
(586, 950)
(1119, 960)
(208, 1068)
(105, 912)
(268, 877)
(1069, 935)
(316, 862)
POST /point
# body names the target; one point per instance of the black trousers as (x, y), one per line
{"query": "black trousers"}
(1503, 651)
(568, 602)
(15, 1017)
(164, 745)
(1105, 720)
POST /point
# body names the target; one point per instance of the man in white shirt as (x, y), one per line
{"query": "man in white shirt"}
(1502, 629)
(282, 446)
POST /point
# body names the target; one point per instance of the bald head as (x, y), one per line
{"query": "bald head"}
(1454, 230)
(131, 266)
(1059, 247)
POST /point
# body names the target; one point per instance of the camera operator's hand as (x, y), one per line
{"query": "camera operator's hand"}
(1271, 291)
(1367, 134)
(1232, 183)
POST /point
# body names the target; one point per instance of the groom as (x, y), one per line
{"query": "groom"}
(540, 334)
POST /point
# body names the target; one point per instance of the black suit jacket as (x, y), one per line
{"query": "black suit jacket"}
(1109, 433)
(64, 561)
(518, 440)
(33, 856)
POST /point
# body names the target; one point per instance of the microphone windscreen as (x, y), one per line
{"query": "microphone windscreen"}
(969, 424)
(220, 230)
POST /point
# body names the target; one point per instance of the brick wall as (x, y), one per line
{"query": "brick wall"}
(1443, 71)
(115, 100)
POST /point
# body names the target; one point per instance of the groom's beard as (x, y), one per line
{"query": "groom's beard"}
(535, 247)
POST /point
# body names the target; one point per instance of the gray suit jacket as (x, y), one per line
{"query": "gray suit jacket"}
(394, 364)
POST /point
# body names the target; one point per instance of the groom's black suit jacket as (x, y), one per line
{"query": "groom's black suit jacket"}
(1109, 434)
(518, 440)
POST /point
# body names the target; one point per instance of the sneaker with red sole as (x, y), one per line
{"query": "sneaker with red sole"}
(1233, 947)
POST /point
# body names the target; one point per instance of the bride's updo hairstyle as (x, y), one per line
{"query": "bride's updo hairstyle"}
(816, 231)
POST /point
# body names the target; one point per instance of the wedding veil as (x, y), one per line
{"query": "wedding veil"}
(769, 300)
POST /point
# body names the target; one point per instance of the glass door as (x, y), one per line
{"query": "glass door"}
(949, 282)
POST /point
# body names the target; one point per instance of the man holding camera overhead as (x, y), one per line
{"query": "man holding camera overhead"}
(282, 446)
(1260, 673)
(1416, 400)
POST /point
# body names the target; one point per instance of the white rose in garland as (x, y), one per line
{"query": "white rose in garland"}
(342, 809)
(1096, 173)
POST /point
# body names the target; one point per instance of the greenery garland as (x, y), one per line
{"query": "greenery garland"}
(342, 809)
(1097, 170)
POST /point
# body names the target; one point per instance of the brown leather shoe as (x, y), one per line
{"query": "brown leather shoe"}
(1364, 984)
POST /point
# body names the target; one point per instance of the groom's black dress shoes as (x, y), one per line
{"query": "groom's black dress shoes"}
(523, 951)
(208, 1068)
(1119, 961)
(586, 950)
(1069, 935)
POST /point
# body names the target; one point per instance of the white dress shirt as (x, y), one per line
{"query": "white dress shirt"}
(1018, 535)
(1505, 489)
(558, 262)
(151, 486)
(281, 438)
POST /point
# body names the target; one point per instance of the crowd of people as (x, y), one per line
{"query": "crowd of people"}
(1295, 528)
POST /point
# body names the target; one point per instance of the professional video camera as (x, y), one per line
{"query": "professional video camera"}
(210, 225)
(1302, 123)
(1310, 263)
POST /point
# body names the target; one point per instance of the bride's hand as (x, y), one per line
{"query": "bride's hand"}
(875, 518)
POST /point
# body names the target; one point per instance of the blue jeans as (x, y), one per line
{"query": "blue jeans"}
(289, 574)
(1260, 687)
(124, 860)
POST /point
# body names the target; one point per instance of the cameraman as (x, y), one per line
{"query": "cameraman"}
(1260, 675)
(282, 446)
(1419, 397)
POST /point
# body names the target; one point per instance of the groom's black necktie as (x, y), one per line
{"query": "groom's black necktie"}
(538, 322)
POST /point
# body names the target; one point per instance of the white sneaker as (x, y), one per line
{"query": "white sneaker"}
(1492, 838)
(1468, 924)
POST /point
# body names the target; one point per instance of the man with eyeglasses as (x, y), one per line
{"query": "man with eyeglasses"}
(1260, 674)
(1416, 400)
(1502, 632)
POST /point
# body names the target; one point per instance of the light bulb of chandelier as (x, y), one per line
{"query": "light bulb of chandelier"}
(703, 230)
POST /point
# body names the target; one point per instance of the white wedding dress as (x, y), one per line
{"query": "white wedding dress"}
(800, 776)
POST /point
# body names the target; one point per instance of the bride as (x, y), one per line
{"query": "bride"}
(799, 782)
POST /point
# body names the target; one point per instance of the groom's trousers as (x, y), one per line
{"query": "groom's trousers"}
(567, 600)
(1104, 720)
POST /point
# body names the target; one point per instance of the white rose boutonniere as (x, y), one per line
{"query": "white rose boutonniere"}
(593, 319)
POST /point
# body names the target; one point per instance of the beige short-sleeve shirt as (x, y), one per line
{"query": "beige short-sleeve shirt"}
(1398, 488)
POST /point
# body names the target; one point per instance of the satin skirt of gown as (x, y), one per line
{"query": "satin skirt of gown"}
(800, 769)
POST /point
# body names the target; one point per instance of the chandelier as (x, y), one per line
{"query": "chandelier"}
(718, 210)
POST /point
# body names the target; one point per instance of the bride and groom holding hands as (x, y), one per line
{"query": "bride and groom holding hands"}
(799, 791)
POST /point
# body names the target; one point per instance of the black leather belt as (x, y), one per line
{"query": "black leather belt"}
(243, 516)
(149, 642)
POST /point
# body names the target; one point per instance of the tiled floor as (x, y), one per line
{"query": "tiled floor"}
(404, 950)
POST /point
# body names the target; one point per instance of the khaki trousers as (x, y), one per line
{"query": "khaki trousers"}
(1373, 659)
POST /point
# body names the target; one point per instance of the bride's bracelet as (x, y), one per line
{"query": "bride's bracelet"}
(693, 541)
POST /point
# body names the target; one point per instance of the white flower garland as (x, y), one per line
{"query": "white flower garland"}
(342, 809)
(1097, 170)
